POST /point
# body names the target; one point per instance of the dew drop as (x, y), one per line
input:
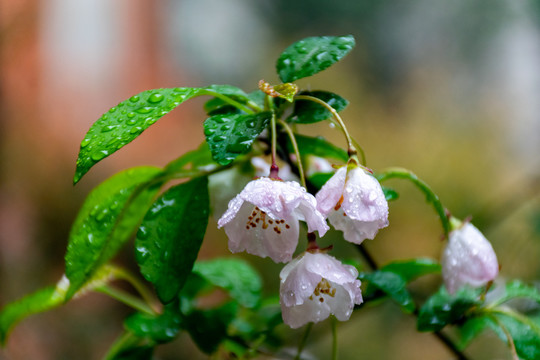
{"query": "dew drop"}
(131, 115)
(131, 121)
(98, 155)
(219, 138)
(111, 110)
(208, 131)
(108, 128)
(144, 110)
(134, 98)
(135, 130)
(155, 98)
(85, 142)
(226, 127)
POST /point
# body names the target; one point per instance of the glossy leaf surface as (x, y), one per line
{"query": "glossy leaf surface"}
(126, 121)
(414, 268)
(229, 135)
(308, 112)
(442, 308)
(171, 235)
(312, 55)
(394, 286)
(235, 276)
(318, 146)
(108, 217)
(160, 328)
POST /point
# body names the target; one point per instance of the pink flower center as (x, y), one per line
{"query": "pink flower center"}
(258, 217)
(323, 287)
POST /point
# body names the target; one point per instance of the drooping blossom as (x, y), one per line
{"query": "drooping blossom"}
(315, 285)
(263, 218)
(354, 203)
(468, 259)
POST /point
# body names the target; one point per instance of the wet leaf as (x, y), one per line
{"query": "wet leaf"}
(171, 235)
(235, 276)
(230, 135)
(308, 112)
(312, 55)
(108, 217)
(126, 121)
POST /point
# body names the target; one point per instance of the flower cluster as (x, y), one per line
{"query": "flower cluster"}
(263, 220)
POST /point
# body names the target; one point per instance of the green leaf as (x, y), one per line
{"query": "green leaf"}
(208, 328)
(124, 122)
(171, 235)
(312, 55)
(230, 135)
(442, 308)
(318, 146)
(236, 276)
(131, 347)
(517, 289)
(472, 328)
(308, 112)
(108, 217)
(196, 158)
(414, 268)
(160, 328)
(525, 334)
(319, 179)
(390, 194)
(394, 286)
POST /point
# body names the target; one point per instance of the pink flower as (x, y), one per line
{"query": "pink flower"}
(468, 259)
(313, 286)
(263, 218)
(354, 203)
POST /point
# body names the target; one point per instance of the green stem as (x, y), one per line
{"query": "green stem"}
(303, 341)
(234, 103)
(125, 341)
(431, 197)
(334, 339)
(511, 343)
(273, 168)
(296, 151)
(351, 148)
(137, 285)
(126, 298)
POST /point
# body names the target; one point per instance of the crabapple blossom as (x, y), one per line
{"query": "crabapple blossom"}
(264, 218)
(315, 285)
(354, 203)
(468, 259)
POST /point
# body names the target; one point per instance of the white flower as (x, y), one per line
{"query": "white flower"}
(354, 203)
(468, 259)
(263, 218)
(313, 286)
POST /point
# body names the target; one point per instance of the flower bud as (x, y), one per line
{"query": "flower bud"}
(468, 259)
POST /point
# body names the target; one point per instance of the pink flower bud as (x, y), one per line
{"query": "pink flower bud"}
(354, 203)
(263, 218)
(313, 286)
(468, 259)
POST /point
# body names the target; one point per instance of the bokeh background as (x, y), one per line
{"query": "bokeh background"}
(448, 89)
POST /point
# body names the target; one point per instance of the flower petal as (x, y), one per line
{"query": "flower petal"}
(331, 192)
(258, 234)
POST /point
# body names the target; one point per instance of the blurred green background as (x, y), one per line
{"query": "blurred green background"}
(450, 90)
